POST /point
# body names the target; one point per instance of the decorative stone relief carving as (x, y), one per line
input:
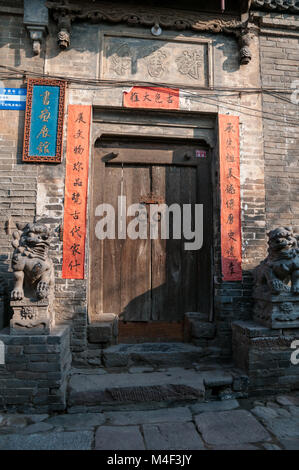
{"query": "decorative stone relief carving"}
(156, 64)
(189, 63)
(140, 58)
(133, 15)
(32, 295)
(64, 33)
(120, 61)
(244, 43)
(276, 288)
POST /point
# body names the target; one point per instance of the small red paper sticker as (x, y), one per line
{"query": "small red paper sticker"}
(152, 97)
(201, 153)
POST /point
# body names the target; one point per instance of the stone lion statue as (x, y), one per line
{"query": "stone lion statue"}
(281, 267)
(33, 269)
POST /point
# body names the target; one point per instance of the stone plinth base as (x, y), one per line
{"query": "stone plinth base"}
(277, 311)
(105, 331)
(198, 329)
(31, 317)
(33, 377)
(265, 356)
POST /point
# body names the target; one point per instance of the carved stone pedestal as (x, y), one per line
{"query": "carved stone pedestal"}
(34, 370)
(265, 356)
(31, 317)
(277, 311)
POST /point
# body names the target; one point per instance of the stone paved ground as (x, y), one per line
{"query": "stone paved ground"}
(245, 424)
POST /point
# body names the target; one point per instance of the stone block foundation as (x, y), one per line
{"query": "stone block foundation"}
(264, 355)
(34, 375)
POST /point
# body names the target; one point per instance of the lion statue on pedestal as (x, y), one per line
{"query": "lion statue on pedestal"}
(279, 272)
(33, 269)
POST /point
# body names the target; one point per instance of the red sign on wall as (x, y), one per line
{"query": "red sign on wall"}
(231, 243)
(152, 97)
(76, 181)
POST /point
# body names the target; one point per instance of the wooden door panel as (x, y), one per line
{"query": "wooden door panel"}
(135, 262)
(159, 292)
(112, 248)
(190, 281)
(174, 270)
(173, 304)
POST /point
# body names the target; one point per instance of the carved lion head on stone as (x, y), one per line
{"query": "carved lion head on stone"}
(281, 242)
(32, 236)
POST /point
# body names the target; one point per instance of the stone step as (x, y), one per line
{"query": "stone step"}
(173, 385)
(153, 354)
(123, 390)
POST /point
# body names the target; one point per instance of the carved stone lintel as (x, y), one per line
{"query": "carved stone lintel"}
(67, 12)
(167, 18)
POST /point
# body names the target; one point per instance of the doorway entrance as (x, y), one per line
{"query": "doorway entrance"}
(151, 281)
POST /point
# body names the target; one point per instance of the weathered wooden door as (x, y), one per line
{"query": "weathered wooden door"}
(150, 279)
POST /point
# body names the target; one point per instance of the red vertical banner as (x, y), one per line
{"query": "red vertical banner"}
(231, 242)
(76, 183)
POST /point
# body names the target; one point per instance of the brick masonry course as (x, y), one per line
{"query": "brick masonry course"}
(34, 376)
(265, 356)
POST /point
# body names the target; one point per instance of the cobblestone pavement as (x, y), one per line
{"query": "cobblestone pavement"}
(244, 424)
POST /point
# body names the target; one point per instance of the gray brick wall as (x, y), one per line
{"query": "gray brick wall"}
(18, 186)
(31, 191)
(279, 68)
(34, 376)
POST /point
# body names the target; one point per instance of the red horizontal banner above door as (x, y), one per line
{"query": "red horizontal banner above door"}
(152, 97)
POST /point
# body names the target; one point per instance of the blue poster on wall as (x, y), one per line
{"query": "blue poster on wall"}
(13, 98)
(44, 120)
(44, 114)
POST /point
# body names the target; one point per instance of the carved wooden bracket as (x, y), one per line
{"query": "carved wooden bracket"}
(64, 13)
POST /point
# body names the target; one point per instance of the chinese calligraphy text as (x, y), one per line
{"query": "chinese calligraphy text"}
(44, 120)
(76, 181)
(231, 247)
(152, 97)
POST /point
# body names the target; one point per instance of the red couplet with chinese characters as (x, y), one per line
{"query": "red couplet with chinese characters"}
(231, 243)
(76, 181)
(152, 97)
